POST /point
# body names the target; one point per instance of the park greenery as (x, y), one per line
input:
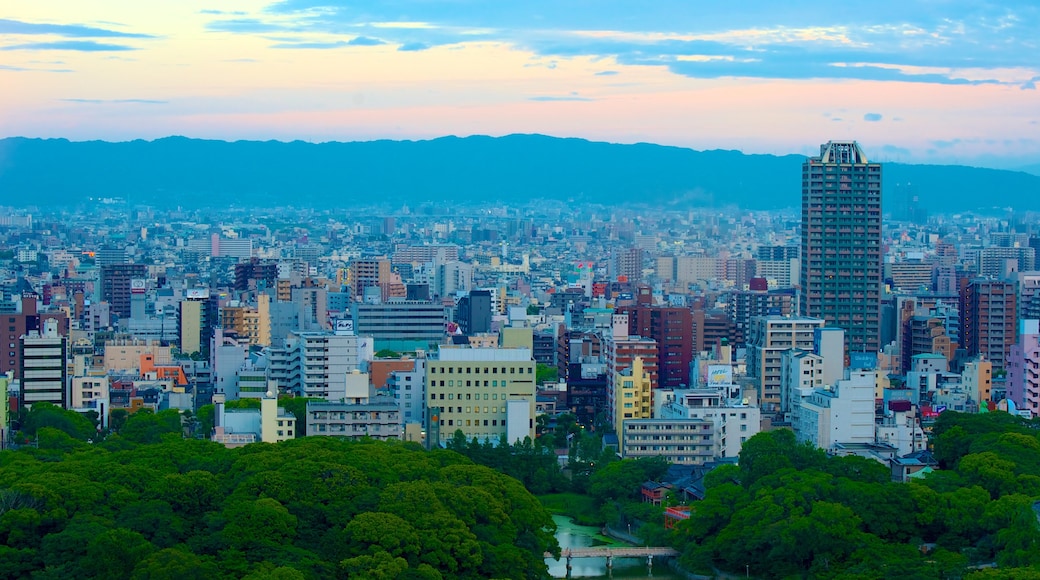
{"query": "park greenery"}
(592, 486)
(143, 501)
(791, 510)
(147, 503)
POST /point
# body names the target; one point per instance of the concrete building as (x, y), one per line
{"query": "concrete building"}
(473, 312)
(116, 280)
(44, 367)
(376, 419)
(770, 336)
(369, 273)
(22, 318)
(735, 421)
(620, 349)
(743, 306)
(450, 278)
(237, 427)
(408, 388)
(401, 325)
(843, 413)
(1023, 376)
(977, 378)
(631, 395)
(672, 329)
(989, 314)
(841, 243)
(252, 323)
(124, 354)
(317, 364)
(485, 393)
(899, 426)
(679, 441)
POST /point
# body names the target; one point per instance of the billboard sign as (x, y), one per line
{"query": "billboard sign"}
(719, 375)
(343, 326)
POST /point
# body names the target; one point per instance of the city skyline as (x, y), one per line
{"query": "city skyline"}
(946, 84)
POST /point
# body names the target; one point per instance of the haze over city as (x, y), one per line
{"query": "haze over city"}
(950, 82)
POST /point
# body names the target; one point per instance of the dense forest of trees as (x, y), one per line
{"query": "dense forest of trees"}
(790, 510)
(147, 504)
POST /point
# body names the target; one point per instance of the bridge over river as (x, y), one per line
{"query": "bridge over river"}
(611, 552)
(616, 552)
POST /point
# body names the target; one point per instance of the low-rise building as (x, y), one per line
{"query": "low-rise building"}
(680, 441)
(377, 419)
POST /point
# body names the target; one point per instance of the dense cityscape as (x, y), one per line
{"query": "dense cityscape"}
(666, 339)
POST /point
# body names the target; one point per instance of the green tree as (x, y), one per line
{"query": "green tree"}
(115, 553)
(144, 426)
(175, 564)
(546, 374)
(73, 424)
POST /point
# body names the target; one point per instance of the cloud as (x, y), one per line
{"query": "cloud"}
(25, 69)
(67, 30)
(311, 45)
(872, 117)
(356, 42)
(960, 42)
(223, 12)
(894, 150)
(77, 45)
(606, 73)
(946, 144)
(413, 46)
(249, 26)
(551, 98)
(115, 101)
(365, 41)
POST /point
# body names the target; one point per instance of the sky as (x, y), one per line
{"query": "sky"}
(928, 81)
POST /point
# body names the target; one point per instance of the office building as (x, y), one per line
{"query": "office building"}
(486, 393)
(841, 243)
(401, 325)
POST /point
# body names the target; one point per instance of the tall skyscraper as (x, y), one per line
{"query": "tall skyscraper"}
(841, 243)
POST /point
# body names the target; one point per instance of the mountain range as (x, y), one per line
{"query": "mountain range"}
(178, 171)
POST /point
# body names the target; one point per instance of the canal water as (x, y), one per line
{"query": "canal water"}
(571, 535)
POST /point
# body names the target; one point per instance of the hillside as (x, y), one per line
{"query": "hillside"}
(190, 172)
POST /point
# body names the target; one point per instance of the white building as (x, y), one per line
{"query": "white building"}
(316, 364)
(408, 389)
(735, 421)
(44, 368)
(843, 413)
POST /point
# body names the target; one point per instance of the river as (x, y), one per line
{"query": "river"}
(571, 535)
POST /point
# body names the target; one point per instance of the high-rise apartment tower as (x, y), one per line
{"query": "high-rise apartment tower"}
(841, 243)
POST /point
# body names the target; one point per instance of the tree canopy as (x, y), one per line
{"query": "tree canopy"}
(791, 510)
(148, 506)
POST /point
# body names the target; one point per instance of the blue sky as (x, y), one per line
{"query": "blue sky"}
(928, 81)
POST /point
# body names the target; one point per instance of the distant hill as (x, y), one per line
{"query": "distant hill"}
(193, 172)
